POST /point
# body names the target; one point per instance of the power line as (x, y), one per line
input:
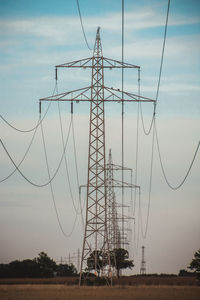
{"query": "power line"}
(82, 27)
(137, 141)
(147, 132)
(23, 158)
(65, 159)
(162, 167)
(123, 119)
(52, 192)
(25, 177)
(38, 122)
(17, 129)
(75, 154)
(144, 232)
(27, 150)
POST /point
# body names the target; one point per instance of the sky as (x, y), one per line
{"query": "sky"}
(37, 35)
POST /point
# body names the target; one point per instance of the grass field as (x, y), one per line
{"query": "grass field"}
(126, 280)
(62, 292)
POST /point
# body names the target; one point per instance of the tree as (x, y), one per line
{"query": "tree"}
(195, 263)
(119, 260)
(46, 264)
(96, 261)
(66, 270)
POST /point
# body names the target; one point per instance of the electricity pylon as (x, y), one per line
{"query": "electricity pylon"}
(114, 236)
(96, 236)
(143, 263)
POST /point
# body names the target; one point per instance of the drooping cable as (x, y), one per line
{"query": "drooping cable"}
(27, 150)
(82, 27)
(23, 158)
(123, 123)
(144, 231)
(137, 238)
(82, 207)
(147, 132)
(75, 153)
(52, 192)
(25, 177)
(65, 160)
(163, 169)
(137, 141)
(38, 122)
(76, 167)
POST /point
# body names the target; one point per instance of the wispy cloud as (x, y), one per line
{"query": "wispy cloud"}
(62, 29)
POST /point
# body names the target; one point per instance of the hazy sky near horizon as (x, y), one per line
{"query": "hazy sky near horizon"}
(37, 35)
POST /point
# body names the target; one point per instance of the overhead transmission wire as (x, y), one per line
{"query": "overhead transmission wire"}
(75, 153)
(162, 166)
(82, 27)
(155, 136)
(38, 122)
(67, 171)
(144, 231)
(52, 192)
(136, 242)
(23, 158)
(17, 129)
(137, 142)
(76, 167)
(147, 132)
(122, 149)
(56, 171)
(30, 144)
(65, 160)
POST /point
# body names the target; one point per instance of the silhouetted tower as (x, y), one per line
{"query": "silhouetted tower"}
(96, 237)
(143, 263)
(95, 240)
(112, 215)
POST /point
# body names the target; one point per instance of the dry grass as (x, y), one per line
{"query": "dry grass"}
(129, 280)
(62, 292)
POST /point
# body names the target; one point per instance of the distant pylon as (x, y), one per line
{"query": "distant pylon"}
(143, 263)
(112, 215)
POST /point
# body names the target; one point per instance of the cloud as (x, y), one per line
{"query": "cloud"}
(58, 30)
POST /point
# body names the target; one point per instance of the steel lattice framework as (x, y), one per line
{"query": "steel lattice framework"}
(143, 263)
(96, 238)
(114, 237)
(95, 242)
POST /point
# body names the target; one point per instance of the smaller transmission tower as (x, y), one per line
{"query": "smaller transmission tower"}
(143, 263)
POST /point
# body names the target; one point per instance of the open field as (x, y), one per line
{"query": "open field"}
(62, 292)
(126, 280)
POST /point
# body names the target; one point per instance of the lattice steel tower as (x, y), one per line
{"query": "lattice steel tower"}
(114, 236)
(143, 263)
(96, 236)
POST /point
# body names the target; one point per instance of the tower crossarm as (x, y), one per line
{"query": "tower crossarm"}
(82, 94)
(110, 95)
(119, 168)
(85, 63)
(115, 184)
(115, 95)
(120, 184)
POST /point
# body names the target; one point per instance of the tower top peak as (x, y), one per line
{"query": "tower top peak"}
(98, 32)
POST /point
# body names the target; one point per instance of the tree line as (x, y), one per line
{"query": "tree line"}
(41, 266)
